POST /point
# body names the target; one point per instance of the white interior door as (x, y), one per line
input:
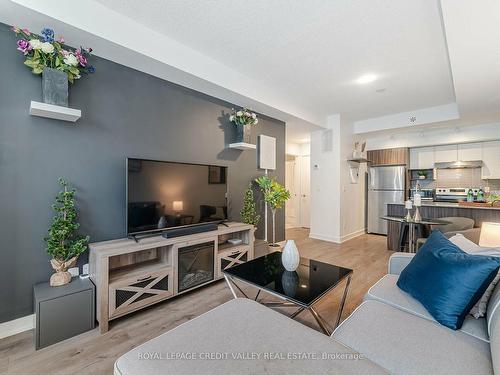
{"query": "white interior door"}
(292, 183)
(305, 181)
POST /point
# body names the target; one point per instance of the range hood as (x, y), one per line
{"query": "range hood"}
(459, 164)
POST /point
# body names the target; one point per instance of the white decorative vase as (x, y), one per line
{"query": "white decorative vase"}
(290, 256)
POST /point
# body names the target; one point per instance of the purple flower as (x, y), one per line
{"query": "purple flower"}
(91, 69)
(23, 46)
(81, 59)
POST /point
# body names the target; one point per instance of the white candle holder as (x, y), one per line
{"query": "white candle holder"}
(417, 218)
(408, 215)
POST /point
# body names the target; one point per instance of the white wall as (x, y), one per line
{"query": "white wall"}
(337, 206)
(325, 182)
(430, 137)
(352, 195)
(298, 149)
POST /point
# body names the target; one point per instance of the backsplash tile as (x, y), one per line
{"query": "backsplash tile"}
(453, 178)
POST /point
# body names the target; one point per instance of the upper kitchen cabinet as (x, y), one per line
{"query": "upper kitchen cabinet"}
(422, 158)
(470, 151)
(389, 156)
(491, 160)
(445, 153)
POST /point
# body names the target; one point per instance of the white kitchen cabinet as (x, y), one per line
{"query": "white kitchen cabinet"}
(470, 151)
(422, 158)
(445, 153)
(491, 160)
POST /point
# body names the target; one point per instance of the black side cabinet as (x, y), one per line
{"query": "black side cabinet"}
(63, 311)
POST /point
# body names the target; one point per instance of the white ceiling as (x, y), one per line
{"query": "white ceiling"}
(291, 59)
(314, 50)
(473, 35)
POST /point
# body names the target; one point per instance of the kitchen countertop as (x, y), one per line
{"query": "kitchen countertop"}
(450, 205)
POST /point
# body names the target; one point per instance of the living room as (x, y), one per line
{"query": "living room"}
(250, 187)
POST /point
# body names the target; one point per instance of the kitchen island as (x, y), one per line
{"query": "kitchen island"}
(437, 210)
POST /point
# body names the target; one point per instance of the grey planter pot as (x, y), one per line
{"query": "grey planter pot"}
(55, 87)
(243, 133)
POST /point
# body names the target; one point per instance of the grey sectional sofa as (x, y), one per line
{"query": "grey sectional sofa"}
(389, 332)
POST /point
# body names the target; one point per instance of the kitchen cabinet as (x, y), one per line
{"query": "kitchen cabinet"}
(491, 160)
(445, 153)
(389, 156)
(470, 151)
(422, 158)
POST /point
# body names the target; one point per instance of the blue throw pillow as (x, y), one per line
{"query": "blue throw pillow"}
(446, 280)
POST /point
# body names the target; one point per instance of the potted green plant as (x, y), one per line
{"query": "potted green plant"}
(243, 119)
(275, 195)
(63, 244)
(249, 213)
(422, 175)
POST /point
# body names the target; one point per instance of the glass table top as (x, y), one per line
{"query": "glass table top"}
(305, 286)
(402, 219)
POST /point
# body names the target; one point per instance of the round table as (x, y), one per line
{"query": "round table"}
(412, 224)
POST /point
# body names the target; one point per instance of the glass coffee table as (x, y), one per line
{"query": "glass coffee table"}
(302, 288)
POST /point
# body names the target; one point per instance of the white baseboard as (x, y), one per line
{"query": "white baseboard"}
(15, 326)
(354, 234)
(336, 239)
(322, 237)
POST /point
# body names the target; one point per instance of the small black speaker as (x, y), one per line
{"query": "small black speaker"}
(190, 230)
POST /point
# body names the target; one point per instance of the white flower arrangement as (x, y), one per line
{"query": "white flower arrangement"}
(243, 117)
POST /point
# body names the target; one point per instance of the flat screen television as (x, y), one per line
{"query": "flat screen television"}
(164, 195)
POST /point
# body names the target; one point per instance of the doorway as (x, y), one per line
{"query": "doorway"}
(297, 181)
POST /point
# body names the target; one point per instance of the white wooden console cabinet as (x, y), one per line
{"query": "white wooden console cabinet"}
(131, 275)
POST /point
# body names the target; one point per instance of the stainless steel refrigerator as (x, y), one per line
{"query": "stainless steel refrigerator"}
(385, 185)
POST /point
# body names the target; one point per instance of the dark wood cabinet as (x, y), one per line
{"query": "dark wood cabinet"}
(389, 156)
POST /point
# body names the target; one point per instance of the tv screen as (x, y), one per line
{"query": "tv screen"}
(163, 195)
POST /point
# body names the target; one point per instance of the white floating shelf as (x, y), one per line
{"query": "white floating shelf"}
(243, 146)
(54, 111)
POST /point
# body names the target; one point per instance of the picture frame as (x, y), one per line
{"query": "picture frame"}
(216, 174)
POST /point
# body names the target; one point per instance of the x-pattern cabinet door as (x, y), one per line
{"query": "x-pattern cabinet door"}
(231, 258)
(128, 295)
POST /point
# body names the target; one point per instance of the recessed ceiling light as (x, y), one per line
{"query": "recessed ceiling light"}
(366, 78)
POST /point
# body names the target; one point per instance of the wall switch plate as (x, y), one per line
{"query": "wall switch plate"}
(85, 269)
(75, 271)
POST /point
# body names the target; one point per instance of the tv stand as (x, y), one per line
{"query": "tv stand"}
(130, 274)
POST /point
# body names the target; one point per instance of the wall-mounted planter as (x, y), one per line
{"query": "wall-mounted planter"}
(54, 111)
(243, 133)
(55, 87)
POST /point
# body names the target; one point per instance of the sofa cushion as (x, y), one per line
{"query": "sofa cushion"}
(242, 327)
(493, 316)
(386, 291)
(407, 344)
(446, 280)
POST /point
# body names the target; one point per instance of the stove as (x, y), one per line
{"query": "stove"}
(453, 194)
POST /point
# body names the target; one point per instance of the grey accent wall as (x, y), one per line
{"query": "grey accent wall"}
(125, 113)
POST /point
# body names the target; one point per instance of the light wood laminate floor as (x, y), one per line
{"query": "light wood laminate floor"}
(92, 353)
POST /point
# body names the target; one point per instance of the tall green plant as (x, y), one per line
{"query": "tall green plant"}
(275, 195)
(62, 241)
(249, 213)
